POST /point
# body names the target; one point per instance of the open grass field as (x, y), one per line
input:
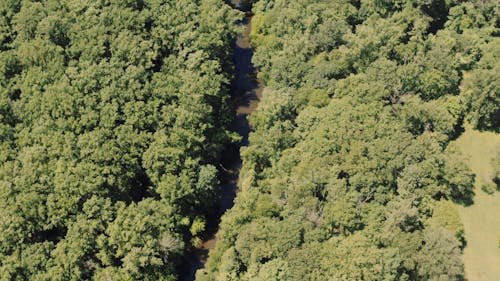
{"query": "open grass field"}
(482, 219)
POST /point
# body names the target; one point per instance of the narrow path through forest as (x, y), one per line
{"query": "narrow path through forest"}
(246, 91)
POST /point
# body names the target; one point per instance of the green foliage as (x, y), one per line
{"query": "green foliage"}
(446, 215)
(446, 263)
(113, 115)
(367, 96)
(482, 89)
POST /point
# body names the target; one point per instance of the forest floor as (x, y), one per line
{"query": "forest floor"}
(481, 219)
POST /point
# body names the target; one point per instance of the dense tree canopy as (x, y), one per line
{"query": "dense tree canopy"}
(349, 175)
(113, 115)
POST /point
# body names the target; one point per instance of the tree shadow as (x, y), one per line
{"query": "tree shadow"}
(467, 200)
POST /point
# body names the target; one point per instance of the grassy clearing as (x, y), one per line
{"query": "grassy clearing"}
(482, 219)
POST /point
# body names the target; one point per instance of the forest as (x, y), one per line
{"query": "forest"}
(349, 174)
(115, 115)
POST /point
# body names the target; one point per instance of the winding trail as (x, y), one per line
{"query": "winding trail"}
(246, 91)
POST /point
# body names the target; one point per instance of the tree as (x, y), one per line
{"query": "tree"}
(113, 116)
(351, 142)
(482, 89)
